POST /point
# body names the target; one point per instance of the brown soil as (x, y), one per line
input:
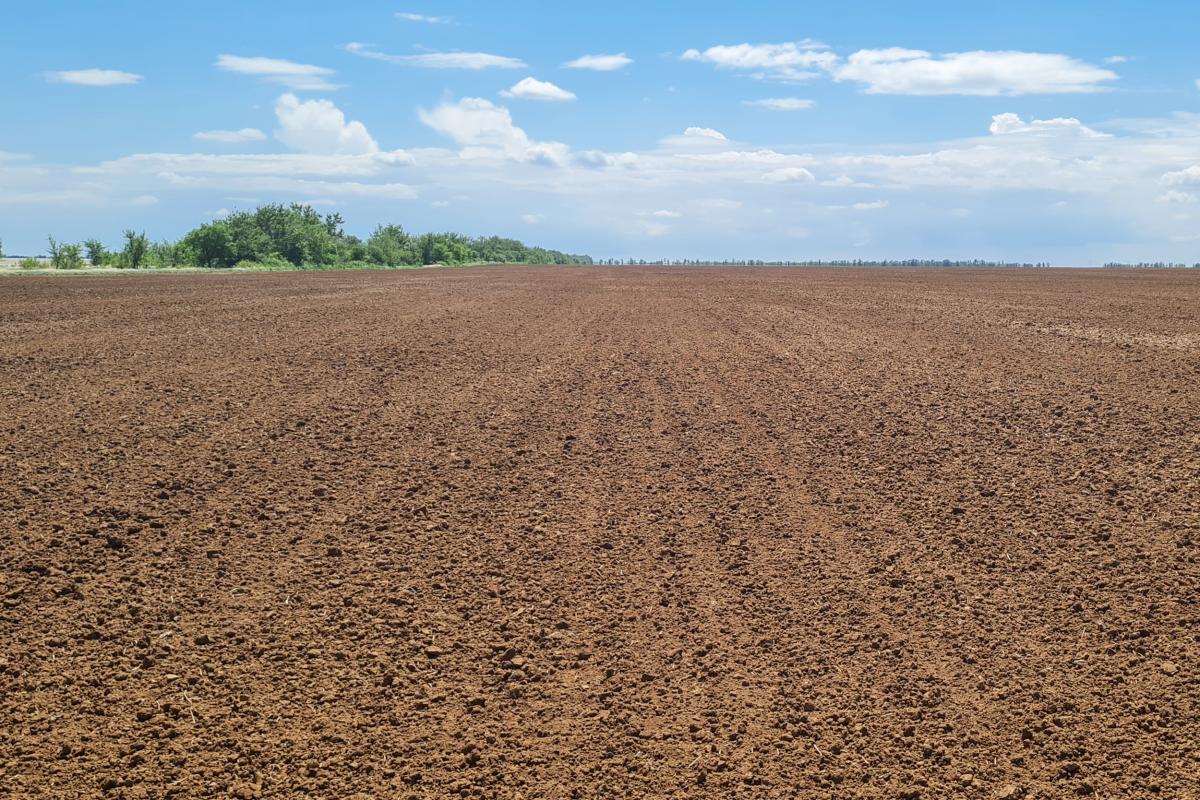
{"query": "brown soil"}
(580, 532)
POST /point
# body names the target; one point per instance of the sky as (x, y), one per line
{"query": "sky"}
(1066, 132)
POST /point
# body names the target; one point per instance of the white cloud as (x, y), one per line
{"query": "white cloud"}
(694, 139)
(1117, 60)
(533, 219)
(93, 77)
(749, 158)
(533, 89)
(845, 181)
(897, 70)
(193, 169)
(410, 17)
(318, 126)
(231, 137)
(144, 200)
(706, 133)
(448, 60)
(600, 63)
(1181, 177)
(1176, 196)
(666, 214)
(789, 61)
(301, 77)
(1008, 178)
(781, 103)
(789, 175)
(1009, 123)
(486, 130)
(598, 159)
(440, 204)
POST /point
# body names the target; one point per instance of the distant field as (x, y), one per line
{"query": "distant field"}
(561, 532)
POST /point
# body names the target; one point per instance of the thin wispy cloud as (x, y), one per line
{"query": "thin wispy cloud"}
(408, 16)
(230, 137)
(600, 63)
(93, 77)
(446, 60)
(780, 103)
(300, 77)
(905, 71)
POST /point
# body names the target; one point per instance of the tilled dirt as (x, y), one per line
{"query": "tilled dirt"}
(585, 532)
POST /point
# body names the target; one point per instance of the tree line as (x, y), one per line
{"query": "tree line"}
(295, 235)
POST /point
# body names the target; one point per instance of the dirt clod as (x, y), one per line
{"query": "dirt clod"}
(516, 532)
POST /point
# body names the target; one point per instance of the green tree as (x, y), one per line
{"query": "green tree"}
(97, 253)
(134, 254)
(211, 245)
(390, 246)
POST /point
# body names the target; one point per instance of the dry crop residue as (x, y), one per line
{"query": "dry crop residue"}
(551, 532)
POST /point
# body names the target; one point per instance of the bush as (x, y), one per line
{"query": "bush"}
(268, 263)
(31, 263)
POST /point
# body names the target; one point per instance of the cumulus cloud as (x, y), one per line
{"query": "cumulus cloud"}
(780, 103)
(301, 77)
(1009, 123)
(1182, 177)
(600, 63)
(486, 130)
(318, 126)
(790, 61)
(789, 175)
(448, 60)
(533, 89)
(230, 137)
(407, 16)
(666, 213)
(897, 70)
(94, 77)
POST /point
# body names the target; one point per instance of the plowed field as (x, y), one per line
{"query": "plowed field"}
(552, 532)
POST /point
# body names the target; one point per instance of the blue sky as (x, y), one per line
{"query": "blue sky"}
(1067, 132)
